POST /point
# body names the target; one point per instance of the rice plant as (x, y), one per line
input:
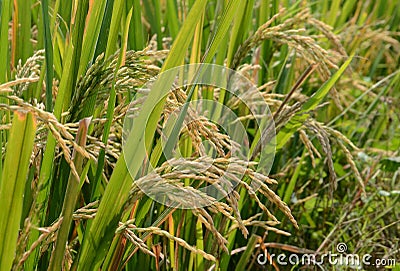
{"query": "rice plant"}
(199, 135)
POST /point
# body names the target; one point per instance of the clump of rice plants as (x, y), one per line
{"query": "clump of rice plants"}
(104, 169)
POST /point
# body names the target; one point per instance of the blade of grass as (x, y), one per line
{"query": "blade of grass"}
(292, 183)
(104, 30)
(213, 15)
(223, 25)
(5, 13)
(14, 33)
(199, 245)
(49, 56)
(136, 34)
(317, 97)
(171, 230)
(266, 12)
(153, 12)
(241, 24)
(172, 18)
(78, 27)
(24, 45)
(251, 247)
(345, 12)
(222, 29)
(92, 31)
(4, 54)
(114, 27)
(12, 187)
(333, 12)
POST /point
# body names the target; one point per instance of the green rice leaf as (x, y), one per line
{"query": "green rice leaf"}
(12, 186)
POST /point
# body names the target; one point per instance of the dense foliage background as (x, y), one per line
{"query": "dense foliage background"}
(329, 71)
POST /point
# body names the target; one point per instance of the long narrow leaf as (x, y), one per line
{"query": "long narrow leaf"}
(12, 187)
(71, 196)
(49, 57)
